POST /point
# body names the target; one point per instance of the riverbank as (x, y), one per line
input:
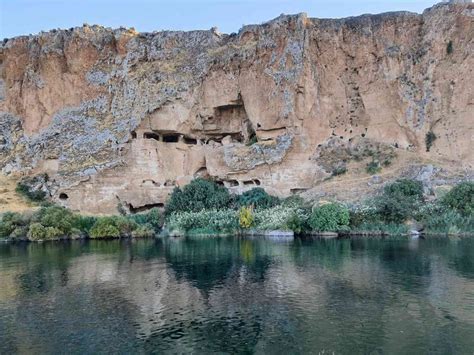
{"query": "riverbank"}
(207, 209)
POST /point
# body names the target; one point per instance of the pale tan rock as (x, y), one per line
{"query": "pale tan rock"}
(120, 117)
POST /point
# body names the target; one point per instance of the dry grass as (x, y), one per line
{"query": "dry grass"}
(9, 199)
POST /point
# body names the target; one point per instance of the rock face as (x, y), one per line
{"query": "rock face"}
(120, 117)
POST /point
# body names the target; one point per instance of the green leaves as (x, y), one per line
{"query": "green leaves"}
(198, 195)
(461, 198)
(332, 217)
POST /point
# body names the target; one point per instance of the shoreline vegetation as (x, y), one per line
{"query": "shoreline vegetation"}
(204, 208)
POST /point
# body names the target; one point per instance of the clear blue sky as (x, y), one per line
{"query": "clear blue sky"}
(20, 17)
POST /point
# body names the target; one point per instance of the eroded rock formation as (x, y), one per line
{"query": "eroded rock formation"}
(116, 116)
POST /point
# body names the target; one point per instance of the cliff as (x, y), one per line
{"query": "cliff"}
(116, 116)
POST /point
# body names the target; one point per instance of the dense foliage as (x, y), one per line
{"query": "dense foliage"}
(399, 201)
(30, 194)
(55, 222)
(246, 217)
(461, 198)
(203, 207)
(258, 198)
(211, 221)
(198, 195)
(331, 217)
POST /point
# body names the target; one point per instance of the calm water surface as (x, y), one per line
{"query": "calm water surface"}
(232, 295)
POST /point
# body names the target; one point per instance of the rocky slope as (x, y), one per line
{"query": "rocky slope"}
(119, 117)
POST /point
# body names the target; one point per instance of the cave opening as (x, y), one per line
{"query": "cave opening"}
(189, 140)
(171, 138)
(134, 135)
(232, 183)
(151, 135)
(63, 196)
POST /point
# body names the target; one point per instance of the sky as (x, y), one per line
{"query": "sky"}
(23, 17)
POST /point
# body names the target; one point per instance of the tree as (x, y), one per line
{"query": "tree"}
(257, 197)
(198, 195)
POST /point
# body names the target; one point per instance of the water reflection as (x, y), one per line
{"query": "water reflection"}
(238, 295)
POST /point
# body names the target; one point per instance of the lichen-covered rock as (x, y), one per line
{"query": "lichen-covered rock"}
(120, 117)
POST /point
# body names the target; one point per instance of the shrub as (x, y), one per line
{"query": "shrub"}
(153, 218)
(212, 220)
(258, 198)
(245, 217)
(198, 195)
(339, 170)
(449, 222)
(104, 227)
(36, 232)
(399, 201)
(57, 217)
(295, 201)
(253, 139)
(143, 231)
(297, 223)
(373, 167)
(125, 225)
(460, 198)
(14, 225)
(429, 140)
(32, 195)
(449, 47)
(278, 217)
(363, 214)
(84, 223)
(332, 217)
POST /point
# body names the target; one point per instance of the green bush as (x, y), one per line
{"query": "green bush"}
(213, 220)
(125, 225)
(198, 195)
(332, 217)
(297, 223)
(105, 227)
(32, 195)
(399, 201)
(37, 232)
(373, 167)
(154, 218)
(460, 198)
(449, 47)
(84, 223)
(280, 218)
(143, 231)
(429, 140)
(340, 170)
(363, 214)
(57, 217)
(14, 225)
(449, 222)
(258, 198)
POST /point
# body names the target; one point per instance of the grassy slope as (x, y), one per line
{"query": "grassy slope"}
(9, 199)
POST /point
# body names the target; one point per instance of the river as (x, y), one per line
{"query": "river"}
(238, 295)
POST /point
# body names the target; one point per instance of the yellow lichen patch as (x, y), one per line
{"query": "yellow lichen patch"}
(9, 199)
